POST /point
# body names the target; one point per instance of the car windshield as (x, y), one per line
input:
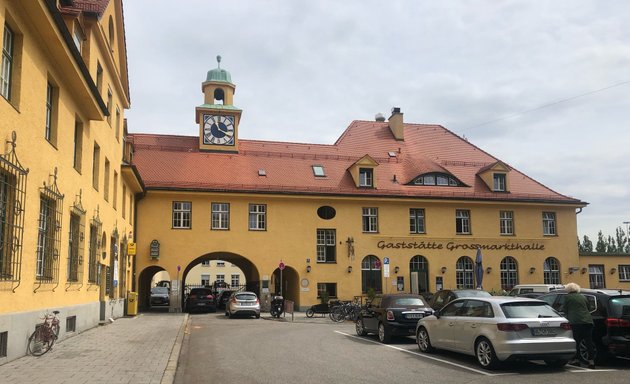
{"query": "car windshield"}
(246, 296)
(472, 292)
(620, 307)
(408, 301)
(200, 292)
(159, 290)
(528, 309)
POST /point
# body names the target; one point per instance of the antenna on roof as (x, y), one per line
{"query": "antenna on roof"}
(219, 61)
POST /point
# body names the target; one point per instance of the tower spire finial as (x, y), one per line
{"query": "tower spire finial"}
(219, 61)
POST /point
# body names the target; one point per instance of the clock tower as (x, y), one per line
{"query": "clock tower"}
(217, 117)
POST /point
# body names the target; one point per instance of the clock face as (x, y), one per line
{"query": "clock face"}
(218, 130)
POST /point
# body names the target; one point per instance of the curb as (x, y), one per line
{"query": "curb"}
(171, 367)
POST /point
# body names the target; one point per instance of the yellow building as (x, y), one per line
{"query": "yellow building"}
(390, 206)
(67, 198)
(605, 270)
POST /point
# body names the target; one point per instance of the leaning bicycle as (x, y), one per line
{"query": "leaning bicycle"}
(45, 335)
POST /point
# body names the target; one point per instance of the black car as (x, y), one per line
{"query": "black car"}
(159, 297)
(200, 299)
(445, 296)
(392, 315)
(610, 310)
(222, 298)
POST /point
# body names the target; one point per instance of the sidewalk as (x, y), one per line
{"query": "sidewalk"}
(138, 350)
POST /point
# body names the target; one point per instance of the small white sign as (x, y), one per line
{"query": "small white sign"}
(386, 269)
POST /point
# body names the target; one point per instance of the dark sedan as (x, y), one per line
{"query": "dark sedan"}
(200, 299)
(392, 315)
(445, 296)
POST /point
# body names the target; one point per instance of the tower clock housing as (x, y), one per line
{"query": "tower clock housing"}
(217, 117)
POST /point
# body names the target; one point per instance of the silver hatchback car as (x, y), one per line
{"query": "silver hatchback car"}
(243, 303)
(496, 329)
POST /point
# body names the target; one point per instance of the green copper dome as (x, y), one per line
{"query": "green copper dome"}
(218, 74)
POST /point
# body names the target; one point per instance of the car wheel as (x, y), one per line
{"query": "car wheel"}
(556, 363)
(360, 328)
(423, 341)
(383, 334)
(485, 354)
(600, 352)
(310, 312)
(258, 315)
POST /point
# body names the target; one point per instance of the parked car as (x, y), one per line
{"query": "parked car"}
(200, 299)
(222, 298)
(533, 290)
(392, 315)
(243, 303)
(445, 296)
(499, 328)
(610, 310)
(159, 297)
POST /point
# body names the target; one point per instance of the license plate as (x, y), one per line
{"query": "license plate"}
(414, 316)
(543, 332)
(201, 304)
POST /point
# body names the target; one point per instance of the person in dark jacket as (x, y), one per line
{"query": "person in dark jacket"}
(576, 311)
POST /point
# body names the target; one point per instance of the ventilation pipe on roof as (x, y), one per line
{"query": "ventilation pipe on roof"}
(379, 117)
(396, 123)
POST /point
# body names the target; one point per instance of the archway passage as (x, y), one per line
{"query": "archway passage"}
(145, 283)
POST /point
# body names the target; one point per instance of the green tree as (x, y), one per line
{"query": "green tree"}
(600, 247)
(587, 245)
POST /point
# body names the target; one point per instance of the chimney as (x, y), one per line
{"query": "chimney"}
(396, 123)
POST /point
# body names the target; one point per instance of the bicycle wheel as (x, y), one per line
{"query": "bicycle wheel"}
(338, 315)
(55, 329)
(39, 342)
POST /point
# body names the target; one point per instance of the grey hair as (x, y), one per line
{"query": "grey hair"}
(572, 287)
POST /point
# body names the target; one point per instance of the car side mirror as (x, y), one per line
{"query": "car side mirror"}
(436, 314)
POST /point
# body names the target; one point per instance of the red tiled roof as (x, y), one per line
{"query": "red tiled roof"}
(175, 162)
(89, 6)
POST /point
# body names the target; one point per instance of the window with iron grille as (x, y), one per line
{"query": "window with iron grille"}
(220, 216)
(509, 273)
(182, 211)
(75, 246)
(551, 271)
(549, 223)
(49, 226)
(416, 220)
(464, 273)
(370, 219)
(108, 281)
(326, 246)
(596, 277)
(257, 217)
(95, 230)
(462, 221)
(506, 222)
(7, 62)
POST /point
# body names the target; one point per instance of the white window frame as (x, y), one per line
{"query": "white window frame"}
(624, 272)
(366, 177)
(182, 215)
(499, 182)
(417, 220)
(235, 279)
(8, 43)
(370, 220)
(462, 222)
(326, 244)
(257, 217)
(506, 223)
(220, 216)
(549, 224)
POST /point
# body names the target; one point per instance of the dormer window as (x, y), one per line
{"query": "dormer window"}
(366, 177)
(440, 179)
(499, 182)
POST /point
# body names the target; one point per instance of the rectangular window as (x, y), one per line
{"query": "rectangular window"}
(366, 177)
(52, 95)
(462, 222)
(416, 220)
(99, 77)
(326, 246)
(624, 272)
(220, 279)
(499, 182)
(220, 216)
(74, 256)
(96, 163)
(131, 207)
(182, 211)
(93, 252)
(71, 324)
(4, 342)
(77, 37)
(46, 239)
(115, 193)
(7, 62)
(220, 264)
(329, 288)
(506, 222)
(117, 123)
(106, 181)
(318, 171)
(549, 223)
(235, 280)
(205, 280)
(10, 231)
(596, 276)
(370, 219)
(109, 105)
(78, 146)
(257, 217)
(124, 201)
(205, 263)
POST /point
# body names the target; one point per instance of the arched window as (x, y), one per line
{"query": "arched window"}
(371, 274)
(509, 273)
(419, 274)
(551, 271)
(418, 263)
(464, 273)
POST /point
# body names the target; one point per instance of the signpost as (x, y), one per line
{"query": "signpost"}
(281, 266)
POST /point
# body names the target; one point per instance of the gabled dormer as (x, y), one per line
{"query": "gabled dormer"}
(496, 176)
(363, 172)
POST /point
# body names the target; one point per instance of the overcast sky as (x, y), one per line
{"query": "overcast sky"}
(542, 85)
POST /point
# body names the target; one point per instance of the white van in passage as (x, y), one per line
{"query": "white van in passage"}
(533, 290)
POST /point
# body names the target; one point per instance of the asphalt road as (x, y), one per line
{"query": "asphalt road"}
(247, 350)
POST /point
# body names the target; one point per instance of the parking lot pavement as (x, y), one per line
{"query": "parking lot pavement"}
(141, 349)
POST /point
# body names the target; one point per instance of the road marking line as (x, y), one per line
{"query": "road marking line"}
(426, 356)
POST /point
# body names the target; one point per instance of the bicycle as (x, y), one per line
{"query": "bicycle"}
(45, 335)
(346, 311)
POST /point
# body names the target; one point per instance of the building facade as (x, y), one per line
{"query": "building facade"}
(390, 206)
(67, 196)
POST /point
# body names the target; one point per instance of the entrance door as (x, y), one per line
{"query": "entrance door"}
(419, 265)
(371, 274)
